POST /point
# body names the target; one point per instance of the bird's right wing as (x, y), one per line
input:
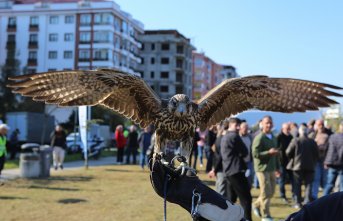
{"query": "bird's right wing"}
(287, 95)
(126, 94)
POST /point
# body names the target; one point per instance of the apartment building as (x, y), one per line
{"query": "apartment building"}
(207, 74)
(167, 62)
(69, 34)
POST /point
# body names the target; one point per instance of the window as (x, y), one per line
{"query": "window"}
(100, 54)
(53, 37)
(103, 36)
(85, 19)
(152, 60)
(85, 37)
(115, 58)
(52, 69)
(124, 26)
(12, 21)
(152, 74)
(142, 60)
(33, 21)
(68, 54)
(142, 48)
(123, 61)
(165, 47)
(116, 41)
(179, 89)
(152, 87)
(117, 24)
(103, 18)
(84, 54)
(164, 88)
(164, 60)
(152, 46)
(53, 19)
(179, 49)
(164, 74)
(179, 77)
(32, 55)
(179, 63)
(52, 54)
(11, 38)
(69, 19)
(33, 38)
(68, 37)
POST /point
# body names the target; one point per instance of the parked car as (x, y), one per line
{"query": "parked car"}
(95, 145)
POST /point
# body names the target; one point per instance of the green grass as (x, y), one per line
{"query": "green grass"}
(117, 192)
(11, 164)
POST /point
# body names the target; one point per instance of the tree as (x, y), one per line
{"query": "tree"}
(108, 116)
(8, 100)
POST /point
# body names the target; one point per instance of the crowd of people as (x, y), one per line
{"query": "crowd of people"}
(308, 154)
(239, 159)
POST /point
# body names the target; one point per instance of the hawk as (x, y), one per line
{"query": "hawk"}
(178, 117)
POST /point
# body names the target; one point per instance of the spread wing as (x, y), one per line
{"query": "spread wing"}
(235, 95)
(126, 94)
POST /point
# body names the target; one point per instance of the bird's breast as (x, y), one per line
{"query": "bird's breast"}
(175, 128)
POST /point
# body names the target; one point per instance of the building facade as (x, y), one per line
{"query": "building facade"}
(69, 34)
(167, 62)
(207, 74)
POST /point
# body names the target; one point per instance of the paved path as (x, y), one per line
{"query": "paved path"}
(15, 173)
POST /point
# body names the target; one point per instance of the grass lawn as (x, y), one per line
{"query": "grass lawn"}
(99, 193)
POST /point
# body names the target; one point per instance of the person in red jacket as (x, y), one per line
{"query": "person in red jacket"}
(121, 142)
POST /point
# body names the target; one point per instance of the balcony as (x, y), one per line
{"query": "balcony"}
(10, 45)
(11, 28)
(101, 59)
(33, 44)
(84, 59)
(32, 62)
(33, 27)
(84, 42)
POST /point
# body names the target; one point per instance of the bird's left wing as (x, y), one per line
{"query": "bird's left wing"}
(126, 94)
(235, 95)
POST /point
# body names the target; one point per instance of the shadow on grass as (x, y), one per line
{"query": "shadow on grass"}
(72, 178)
(52, 188)
(12, 198)
(121, 170)
(71, 201)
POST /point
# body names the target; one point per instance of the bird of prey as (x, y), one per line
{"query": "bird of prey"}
(178, 117)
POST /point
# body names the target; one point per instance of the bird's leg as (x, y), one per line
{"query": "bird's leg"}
(185, 152)
(159, 148)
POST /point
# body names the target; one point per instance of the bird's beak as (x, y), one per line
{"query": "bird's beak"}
(181, 108)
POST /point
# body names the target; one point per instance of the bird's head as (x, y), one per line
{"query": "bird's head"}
(180, 105)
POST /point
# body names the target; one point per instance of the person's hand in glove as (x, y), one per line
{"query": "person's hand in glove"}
(190, 193)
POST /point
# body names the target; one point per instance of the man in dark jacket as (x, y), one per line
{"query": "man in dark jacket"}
(303, 156)
(283, 140)
(233, 151)
(334, 161)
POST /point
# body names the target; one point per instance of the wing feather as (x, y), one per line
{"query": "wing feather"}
(235, 95)
(123, 93)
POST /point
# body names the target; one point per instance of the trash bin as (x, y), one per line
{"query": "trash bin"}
(29, 161)
(45, 152)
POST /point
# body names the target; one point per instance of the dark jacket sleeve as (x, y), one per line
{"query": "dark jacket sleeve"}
(240, 146)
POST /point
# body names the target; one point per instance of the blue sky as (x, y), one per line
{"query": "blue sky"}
(295, 39)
